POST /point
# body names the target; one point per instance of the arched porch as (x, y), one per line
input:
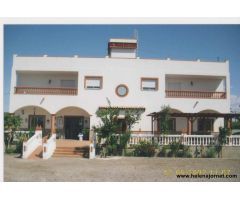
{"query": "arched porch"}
(72, 121)
(33, 116)
(202, 123)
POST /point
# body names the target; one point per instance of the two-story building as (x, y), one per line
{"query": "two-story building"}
(62, 94)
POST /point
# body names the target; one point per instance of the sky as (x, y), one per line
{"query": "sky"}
(182, 42)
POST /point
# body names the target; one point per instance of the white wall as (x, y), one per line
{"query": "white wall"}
(123, 53)
(120, 71)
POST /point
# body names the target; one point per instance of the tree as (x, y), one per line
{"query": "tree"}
(109, 127)
(11, 124)
(222, 139)
(164, 119)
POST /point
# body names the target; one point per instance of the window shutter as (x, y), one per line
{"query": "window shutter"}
(149, 84)
(93, 83)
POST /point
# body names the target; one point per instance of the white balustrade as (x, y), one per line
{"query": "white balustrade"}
(198, 140)
(233, 140)
(32, 144)
(92, 151)
(49, 147)
(189, 140)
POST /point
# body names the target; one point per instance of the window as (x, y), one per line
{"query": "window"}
(68, 83)
(149, 84)
(121, 90)
(205, 124)
(93, 82)
(171, 124)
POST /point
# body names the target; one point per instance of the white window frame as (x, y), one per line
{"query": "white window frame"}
(99, 78)
(149, 88)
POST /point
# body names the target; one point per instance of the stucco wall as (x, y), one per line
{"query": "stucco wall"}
(115, 72)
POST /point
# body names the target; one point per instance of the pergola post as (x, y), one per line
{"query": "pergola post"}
(53, 130)
(189, 125)
(229, 124)
(152, 125)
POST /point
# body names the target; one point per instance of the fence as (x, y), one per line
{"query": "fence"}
(189, 140)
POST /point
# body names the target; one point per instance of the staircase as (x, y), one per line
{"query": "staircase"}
(37, 154)
(72, 148)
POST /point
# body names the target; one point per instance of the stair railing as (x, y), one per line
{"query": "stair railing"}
(49, 147)
(32, 144)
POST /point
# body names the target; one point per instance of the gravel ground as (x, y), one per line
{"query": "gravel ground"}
(116, 169)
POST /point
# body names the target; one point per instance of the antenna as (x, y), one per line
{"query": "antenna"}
(135, 36)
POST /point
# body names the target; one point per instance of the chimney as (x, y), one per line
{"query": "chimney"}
(122, 48)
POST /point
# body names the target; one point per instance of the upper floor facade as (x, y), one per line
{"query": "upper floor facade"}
(54, 83)
(145, 82)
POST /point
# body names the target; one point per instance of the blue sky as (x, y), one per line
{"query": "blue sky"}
(184, 42)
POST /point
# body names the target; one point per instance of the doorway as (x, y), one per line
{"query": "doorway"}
(73, 125)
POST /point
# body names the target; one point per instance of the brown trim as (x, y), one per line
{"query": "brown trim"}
(93, 78)
(139, 132)
(195, 94)
(216, 115)
(121, 85)
(47, 91)
(122, 107)
(151, 79)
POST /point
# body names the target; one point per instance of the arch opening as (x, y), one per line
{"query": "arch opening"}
(34, 116)
(71, 122)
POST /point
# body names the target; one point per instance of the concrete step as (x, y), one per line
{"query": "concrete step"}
(66, 155)
(72, 148)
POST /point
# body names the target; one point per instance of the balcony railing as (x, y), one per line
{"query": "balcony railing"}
(48, 91)
(195, 94)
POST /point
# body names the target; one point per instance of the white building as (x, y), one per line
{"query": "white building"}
(64, 93)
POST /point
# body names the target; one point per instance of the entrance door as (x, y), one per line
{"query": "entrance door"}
(36, 120)
(73, 125)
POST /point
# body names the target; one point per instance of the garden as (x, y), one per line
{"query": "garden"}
(112, 142)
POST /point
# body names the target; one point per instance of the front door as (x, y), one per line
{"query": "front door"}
(36, 120)
(73, 125)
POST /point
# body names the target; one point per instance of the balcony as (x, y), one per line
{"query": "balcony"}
(194, 86)
(46, 91)
(195, 94)
(47, 83)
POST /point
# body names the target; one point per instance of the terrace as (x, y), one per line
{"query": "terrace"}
(201, 87)
(47, 83)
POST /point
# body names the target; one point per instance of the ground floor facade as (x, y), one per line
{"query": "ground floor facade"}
(67, 123)
(71, 121)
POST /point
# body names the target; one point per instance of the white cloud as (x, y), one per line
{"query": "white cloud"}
(235, 103)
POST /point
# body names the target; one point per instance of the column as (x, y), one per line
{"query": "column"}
(189, 126)
(229, 124)
(53, 130)
(152, 124)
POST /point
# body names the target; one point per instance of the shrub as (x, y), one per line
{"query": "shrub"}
(10, 150)
(174, 148)
(145, 149)
(163, 151)
(211, 152)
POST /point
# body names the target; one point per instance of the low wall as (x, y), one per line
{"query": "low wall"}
(231, 152)
(227, 152)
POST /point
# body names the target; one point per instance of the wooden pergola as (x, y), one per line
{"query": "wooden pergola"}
(191, 117)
